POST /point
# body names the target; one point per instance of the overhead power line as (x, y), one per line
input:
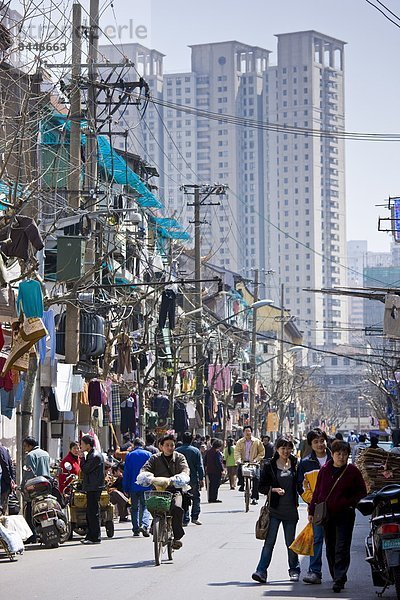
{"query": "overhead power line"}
(279, 127)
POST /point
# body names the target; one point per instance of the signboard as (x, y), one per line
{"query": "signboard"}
(396, 218)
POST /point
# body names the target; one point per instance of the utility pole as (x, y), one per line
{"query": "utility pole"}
(253, 366)
(91, 136)
(74, 178)
(200, 194)
(281, 352)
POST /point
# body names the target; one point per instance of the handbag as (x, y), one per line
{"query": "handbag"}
(321, 509)
(262, 523)
(33, 329)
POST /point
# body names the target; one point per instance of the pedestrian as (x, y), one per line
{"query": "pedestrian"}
(352, 438)
(7, 478)
(230, 463)
(374, 442)
(249, 449)
(169, 463)
(134, 461)
(361, 445)
(126, 442)
(214, 465)
(92, 467)
(195, 462)
(268, 447)
(117, 496)
(74, 460)
(307, 474)
(341, 486)
(279, 477)
(150, 443)
(338, 436)
(37, 464)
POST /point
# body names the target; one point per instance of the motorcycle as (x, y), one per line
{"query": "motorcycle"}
(48, 518)
(75, 507)
(383, 541)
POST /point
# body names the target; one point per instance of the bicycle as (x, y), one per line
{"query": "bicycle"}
(158, 504)
(248, 471)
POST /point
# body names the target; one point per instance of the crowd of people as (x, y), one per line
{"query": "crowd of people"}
(317, 470)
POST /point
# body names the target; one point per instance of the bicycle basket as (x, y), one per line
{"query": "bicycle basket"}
(157, 501)
(248, 471)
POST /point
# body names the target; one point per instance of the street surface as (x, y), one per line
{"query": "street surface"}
(216, 562)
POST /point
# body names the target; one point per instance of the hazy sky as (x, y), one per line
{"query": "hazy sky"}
(371, 65)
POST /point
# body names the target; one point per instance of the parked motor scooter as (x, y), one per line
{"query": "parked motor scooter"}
(383, 541)
(75, 506)
(48, 519)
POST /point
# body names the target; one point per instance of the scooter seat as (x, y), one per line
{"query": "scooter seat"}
(388, 492)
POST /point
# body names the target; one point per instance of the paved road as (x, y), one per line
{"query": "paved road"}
(216, 562)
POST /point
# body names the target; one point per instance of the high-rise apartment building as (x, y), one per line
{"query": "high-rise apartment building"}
(307, 186)
(285, 206)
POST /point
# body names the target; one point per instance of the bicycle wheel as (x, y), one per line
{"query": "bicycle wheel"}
(158, 533)
(247, 494)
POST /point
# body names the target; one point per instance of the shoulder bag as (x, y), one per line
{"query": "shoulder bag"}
(262, 524)
(321, 509)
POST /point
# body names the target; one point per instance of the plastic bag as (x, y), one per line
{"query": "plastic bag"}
(180, 480)
(304, 543)
(145, 479)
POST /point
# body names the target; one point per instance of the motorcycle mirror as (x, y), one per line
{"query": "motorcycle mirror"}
(68, 466)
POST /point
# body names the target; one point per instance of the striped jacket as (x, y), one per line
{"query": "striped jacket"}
(307, 474)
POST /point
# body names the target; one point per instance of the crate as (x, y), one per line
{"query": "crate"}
(104, 499)
(79, 500)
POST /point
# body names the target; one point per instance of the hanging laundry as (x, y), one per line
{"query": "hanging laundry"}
(30, 298)
(83, 396)
(7, 403)
(22, 239)
(6, 382)
(160, 404)
(219, 378)
(167, 309)
(1, 338)
(94, 393)
(207, 406)
(115, 405)
(129, 408)
(181, 421)
(48, 342)
(54, 413)
(8, 309)
(78, 383)
(238, 395)
(124, 360)
(63, 391)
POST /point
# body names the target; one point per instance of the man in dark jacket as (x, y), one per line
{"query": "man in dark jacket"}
(92, 467)
(7, 477)
(195, 462)
(167, 464)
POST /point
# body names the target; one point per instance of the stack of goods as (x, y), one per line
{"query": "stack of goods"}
(379, 468)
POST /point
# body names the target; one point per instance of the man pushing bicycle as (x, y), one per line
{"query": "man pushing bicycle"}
(169, 464)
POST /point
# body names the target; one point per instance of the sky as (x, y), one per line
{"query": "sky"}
(371, 73)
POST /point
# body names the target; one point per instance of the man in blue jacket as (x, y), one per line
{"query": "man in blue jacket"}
(195, 462)
(134, 461)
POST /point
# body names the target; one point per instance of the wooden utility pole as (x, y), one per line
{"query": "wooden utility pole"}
(74, 178)
(200, 194)
(253, 365)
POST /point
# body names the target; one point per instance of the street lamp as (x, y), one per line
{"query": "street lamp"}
(254, 307)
